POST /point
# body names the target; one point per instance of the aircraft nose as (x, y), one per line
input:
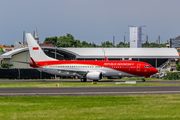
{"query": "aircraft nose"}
(155, 70)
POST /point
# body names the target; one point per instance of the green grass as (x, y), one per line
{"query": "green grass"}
(79, 84)
(144, 107)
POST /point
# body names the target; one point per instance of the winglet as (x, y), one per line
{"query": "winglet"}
(106, 58)
(34, 63)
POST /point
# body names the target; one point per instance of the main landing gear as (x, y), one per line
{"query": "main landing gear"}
(83, 80)
(143, 79)
(95, 80)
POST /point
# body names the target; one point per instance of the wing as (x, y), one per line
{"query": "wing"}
(73, 72)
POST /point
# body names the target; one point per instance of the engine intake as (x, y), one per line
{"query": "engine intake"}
(94, 75)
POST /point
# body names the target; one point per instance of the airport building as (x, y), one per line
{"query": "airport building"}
(155, 56)
(175, 42)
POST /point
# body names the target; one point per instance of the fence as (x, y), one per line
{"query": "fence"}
(24, 74)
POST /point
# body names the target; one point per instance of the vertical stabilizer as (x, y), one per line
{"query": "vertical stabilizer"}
(35, 50)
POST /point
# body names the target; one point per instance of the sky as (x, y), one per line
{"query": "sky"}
(89, 20)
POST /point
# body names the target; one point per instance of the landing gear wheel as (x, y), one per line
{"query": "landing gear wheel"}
(143, 79)
(83, 79)
(95, 80)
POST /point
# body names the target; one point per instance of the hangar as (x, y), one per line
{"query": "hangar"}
(155, 56)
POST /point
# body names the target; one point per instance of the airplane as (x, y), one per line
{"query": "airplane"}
(92, 70)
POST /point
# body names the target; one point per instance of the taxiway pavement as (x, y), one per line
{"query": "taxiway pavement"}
(75, 91)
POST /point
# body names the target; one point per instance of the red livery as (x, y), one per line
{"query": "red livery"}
(35, 48)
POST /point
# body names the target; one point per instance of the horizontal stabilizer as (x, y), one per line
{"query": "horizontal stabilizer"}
(23, 62)
(34, 64)
(106, 58)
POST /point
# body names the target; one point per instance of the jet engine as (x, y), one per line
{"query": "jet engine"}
(94, 75)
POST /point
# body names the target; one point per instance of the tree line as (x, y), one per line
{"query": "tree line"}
(69, 41)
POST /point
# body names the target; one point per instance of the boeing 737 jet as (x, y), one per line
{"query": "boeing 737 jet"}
(92, 70)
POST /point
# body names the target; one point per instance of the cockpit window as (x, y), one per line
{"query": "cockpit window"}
(147, 66)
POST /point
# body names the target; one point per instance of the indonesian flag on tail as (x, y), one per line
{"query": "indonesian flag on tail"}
(35, 48)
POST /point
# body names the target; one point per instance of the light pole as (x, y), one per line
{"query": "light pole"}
(125, 38)
(104, 52)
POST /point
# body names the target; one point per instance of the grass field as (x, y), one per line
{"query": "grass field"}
(144, 107)
(78, 84)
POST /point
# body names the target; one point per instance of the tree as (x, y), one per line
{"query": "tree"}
(93, 45)
(146, 44)
(163, 45)
(8, 45)
(153, 44)
(69, 41)
(6, 65)
(107, 44)
(121, 44)
(78, 43)
(178, 66)
(66, 41)
(85, 44)
(172, 76)
(51, 40)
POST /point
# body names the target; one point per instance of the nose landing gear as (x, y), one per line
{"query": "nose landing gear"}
(143, 79)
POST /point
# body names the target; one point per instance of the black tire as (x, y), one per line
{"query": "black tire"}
(143, 80)
(95, 80)
(83, 80)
